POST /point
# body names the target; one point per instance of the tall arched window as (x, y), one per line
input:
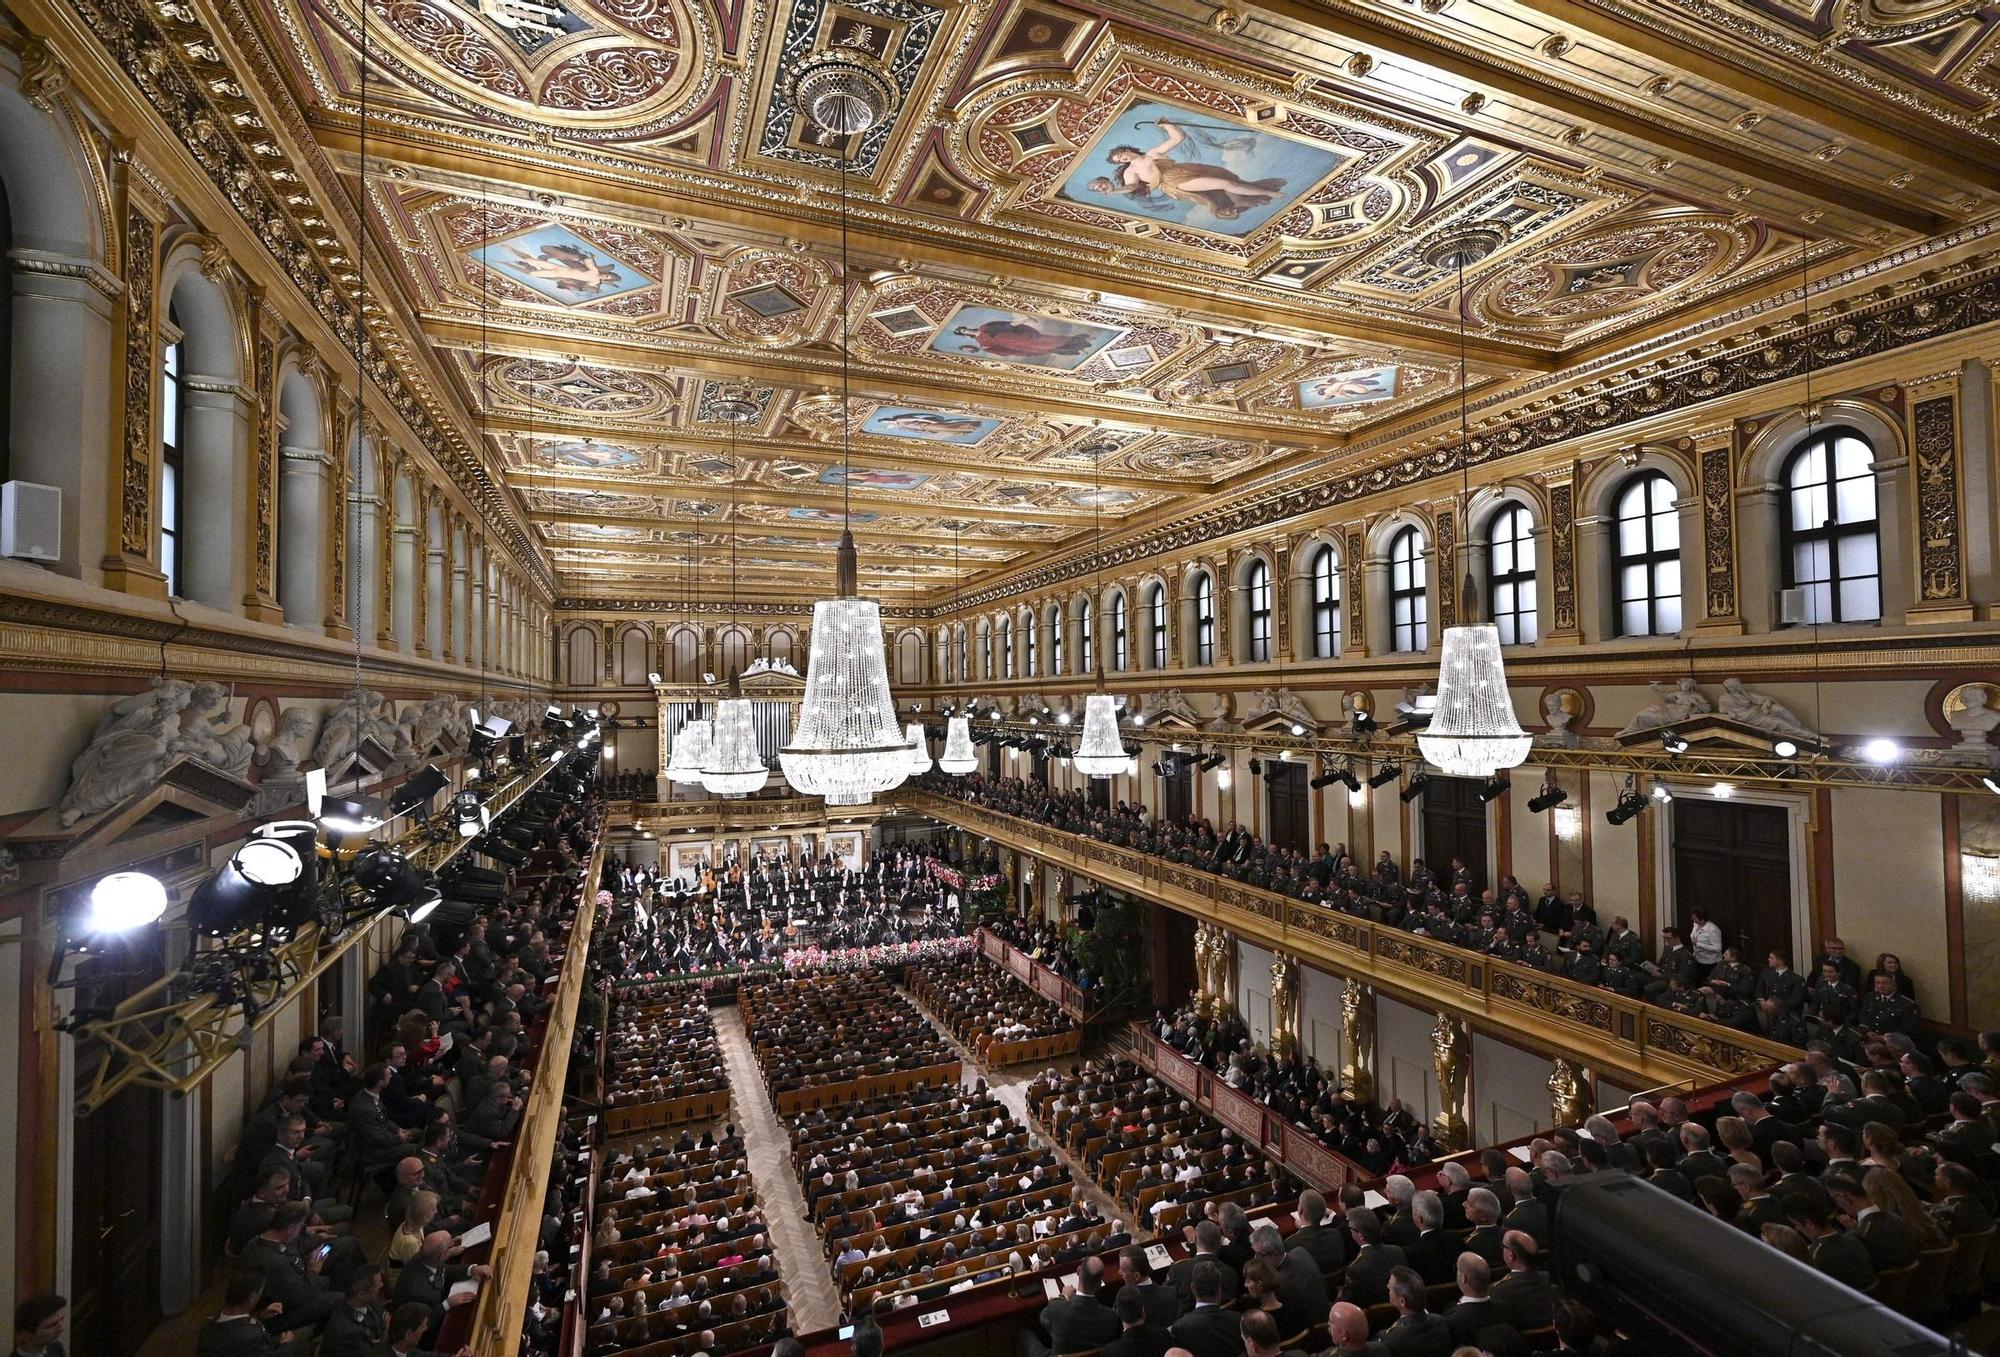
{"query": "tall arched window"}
(1006, 648)
(1156, 615)
(1086, 637)
(1031, 645)
(1055, 640)
(944, 657)
(1204, 618)
(986, 650)
(1258, 587)
(1831, 537)
(1649, 557)
(1511, 575)
(1118, 630)
(1409, 605)
(173, 461)
(964, 657)
(1325, 604)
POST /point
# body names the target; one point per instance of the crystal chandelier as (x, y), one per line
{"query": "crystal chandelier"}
(1474, 732)
(958, 758)
(1101, 752)
(733, 766)
(920, 752)
(690, 752)
(847, 745)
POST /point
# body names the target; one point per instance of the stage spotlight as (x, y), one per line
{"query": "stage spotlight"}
(1879, 750)
(391, 880)
(468, 807)
(1661, 791)
(1212, 762)
(1549, 798)
(1386, 774)
(1991, 782)
(123, 901)
(652, 678)
(1418, 784)
(486, 735)
(552, 719)
(417, 791)
(1672, 743)
(1345, 774)
(1256, 767)
(254, 880)
(1630, 805)
(294, 904)
(352, 816)
(1362, 723)
(1324, 780)
(1493, 788)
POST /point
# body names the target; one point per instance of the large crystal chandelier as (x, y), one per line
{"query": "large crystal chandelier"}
(1474, 732)
(847, 745)
(733, 766)
(690, 752)
(958, 758)
(1101, 752)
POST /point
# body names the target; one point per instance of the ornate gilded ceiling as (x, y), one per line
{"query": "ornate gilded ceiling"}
(1105, 263)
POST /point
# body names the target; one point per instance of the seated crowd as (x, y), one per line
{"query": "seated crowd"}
(1560, 934)
(744, 915)
(1378, 1139)
(681, 1259)
(982, 1001)
(927, 1193)
(824, 1029)
(1042, 941)
(661, 1045)
(457, 1006)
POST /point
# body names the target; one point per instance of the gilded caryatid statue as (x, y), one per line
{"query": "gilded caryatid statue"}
(1357, 1040)
(1569, 1094)
(1202, 971)
(1215, 969)
(1449, 1047)
(1284, 1005)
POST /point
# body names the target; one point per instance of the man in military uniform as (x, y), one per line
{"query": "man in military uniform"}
(1584, 967)
(1828, 988)
(1843, 965)
(1675, 959)
(1780, 1023)
(1618, 977)
(1885, 1011)
(1730, 977)
(1780, 982)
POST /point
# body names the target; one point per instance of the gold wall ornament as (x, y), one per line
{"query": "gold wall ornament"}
(134, 569)
(1451, 1049)
(1934, 445)
(1570, 1099)
(1718, 525)
(1562, 557)
(43, 75)
(1357, 1040)
(1284, 1005)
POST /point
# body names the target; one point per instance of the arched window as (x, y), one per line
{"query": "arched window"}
(1649, 557)
(1325, 604)
(1409, 605)
(1055, 640)
(6, 333)
(943, 657)
(964, 656)
(1258, 581)
(1204, 618)
(1511, 575)
(580, 658)
(1831, 537)
(986, 650)
(1031, 645)
(1156, 614)
(1086, 640)
(173, 461)
(1118, 630)
(1006, 648)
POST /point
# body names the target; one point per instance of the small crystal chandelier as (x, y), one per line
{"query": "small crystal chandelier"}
(847, 746)
(690, 752)
(1474, 732)
(1101, 751)
(920, 753)
(733, 766)
(958, 758)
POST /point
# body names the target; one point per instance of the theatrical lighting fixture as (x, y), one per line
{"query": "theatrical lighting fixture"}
(1672, 743)
(1274, 769)
(346, 817)
(1991, 782)
(1062, 718)
(1661, 791)
(121, 902)
(469, 809)
(256, 880)
(1323, 780)
(1630, 805)
(1386, 774)
(1256, 768)
(552, 719)
(1417, 785)
(391, 880)
(1493, 789)
(418, 789)
(1880, 750)
(1549, 798)
(1785, 749)
(1411, 721)
(1362, 722)
(1160, 768)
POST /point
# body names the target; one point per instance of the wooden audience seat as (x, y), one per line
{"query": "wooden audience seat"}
(1892, 1287)
(1926, 1297)
(1967, 1278)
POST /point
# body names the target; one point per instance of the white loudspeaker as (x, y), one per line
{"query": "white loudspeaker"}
(31, 521)
(1791, 607)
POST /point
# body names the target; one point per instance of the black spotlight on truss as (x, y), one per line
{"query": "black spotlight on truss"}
(1417, 785)
(267, 886)
(1493, 788)
(1324, 780)
(392, 881)
(1631, 803)
(1547, 799)
(417, 790)
(1386, 774)
(1362, 723)
(1211, 763)
(1991, 782)
(1256, 768)
(486, 735)
(468, 808)
(1672, 743)
(1275, 769)
(1160, 768)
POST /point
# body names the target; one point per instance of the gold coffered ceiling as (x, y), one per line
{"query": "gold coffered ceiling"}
(1106, 263)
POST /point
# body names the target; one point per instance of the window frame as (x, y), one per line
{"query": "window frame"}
(1513, 631)
(1257, 624)
(1031, 649)
(1409, 602)
(1831, 531)
(1202, 599)
(1325, 603)
(1118, 631)
(1086, 641)
(1651, 557)
(173, 457)
(1156, 610)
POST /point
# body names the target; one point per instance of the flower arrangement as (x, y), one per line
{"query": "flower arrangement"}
(831, 959)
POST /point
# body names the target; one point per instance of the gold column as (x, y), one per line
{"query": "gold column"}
(1451, 1049)
(1938, 492)
(337, 562)
(1564, 628)
(132, 537)
(1715, 484)
(420, 577)
(260, 603)
(1284, 1005)
(1281, 599)
(1570, 1099)
(385, 535)
(1444, 556)
(1357, 1040)
(1354, 600)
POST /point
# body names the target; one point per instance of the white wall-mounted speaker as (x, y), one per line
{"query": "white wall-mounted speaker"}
(1791, 607)
(31, 521)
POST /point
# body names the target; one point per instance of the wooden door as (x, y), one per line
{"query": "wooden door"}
(1099, 792)
(1042, 767)
(1173, 955)
(1288, 808)
(1454, 827)
(1177, 794)
(1734, 861)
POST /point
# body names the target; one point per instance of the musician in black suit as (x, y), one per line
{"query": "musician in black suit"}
(1207, 1249)
(238, 1330)
(1077, 1320)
